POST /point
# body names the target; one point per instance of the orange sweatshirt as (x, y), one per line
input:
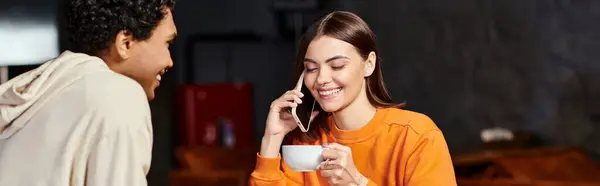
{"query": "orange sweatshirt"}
(397, 147)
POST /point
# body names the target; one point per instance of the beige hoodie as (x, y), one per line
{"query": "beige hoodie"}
(73, 121)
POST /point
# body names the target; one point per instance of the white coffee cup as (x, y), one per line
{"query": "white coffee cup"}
(302, 158)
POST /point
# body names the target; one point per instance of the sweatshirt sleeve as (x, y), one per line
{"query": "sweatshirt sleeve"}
(271, 172)
(430, 162)
(121, 154)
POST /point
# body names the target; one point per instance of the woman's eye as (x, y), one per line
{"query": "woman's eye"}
(338, 67)
(311, 69)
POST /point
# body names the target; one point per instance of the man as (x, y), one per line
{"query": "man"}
(83, 118)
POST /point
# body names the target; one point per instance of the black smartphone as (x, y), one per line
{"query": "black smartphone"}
(302, 113)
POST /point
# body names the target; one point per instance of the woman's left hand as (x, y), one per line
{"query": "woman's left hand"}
(338, 167)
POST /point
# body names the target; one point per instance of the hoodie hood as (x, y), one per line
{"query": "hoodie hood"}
(19, 94)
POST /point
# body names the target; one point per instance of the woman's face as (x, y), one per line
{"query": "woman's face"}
(335, 72)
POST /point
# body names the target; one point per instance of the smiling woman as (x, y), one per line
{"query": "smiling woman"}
(367, 139)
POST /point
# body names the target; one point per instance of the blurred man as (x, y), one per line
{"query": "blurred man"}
(83, 117)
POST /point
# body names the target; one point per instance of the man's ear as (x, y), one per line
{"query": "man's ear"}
(123, 42)
(370, 64)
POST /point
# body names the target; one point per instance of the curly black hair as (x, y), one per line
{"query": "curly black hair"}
(92, 25)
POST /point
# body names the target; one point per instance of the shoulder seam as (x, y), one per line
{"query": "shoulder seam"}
(407, 124)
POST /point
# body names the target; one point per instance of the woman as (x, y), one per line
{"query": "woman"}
(369, 140)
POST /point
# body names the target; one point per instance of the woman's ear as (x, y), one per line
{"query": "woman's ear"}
(370, 64)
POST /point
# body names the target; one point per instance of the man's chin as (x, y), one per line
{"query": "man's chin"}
(150, 95)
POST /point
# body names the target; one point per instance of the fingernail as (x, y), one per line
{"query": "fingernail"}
(320, 165)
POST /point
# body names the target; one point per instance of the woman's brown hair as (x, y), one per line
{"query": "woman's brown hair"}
(352, 29)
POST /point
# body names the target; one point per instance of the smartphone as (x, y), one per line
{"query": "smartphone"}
(302, 113)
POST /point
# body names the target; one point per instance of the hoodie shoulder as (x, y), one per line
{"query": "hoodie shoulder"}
(119, 100)
(108, 83)
(105, 91)
(110, 87)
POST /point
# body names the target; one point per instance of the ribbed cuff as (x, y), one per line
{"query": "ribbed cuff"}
(267, 168)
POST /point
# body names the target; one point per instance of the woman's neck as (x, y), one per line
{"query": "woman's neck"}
(356, 115)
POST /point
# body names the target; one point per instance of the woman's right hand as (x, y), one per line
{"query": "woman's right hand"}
(280, 120)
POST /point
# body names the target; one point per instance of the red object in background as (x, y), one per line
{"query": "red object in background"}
(201, 106)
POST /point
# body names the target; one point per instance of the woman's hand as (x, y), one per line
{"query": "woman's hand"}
(280, 121)
(339, 168)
